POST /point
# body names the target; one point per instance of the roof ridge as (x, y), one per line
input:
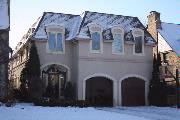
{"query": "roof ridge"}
(110, 14)
(170, 23)
(61, 13)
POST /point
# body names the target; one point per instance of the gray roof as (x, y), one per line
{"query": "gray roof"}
(171, 33)
(76, 26)
(4, 14)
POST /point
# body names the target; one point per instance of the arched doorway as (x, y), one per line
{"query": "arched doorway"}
(55, 77)
(99, 91)
(133, 92)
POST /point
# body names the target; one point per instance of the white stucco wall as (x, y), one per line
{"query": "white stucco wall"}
(83, 65)
(114, 67)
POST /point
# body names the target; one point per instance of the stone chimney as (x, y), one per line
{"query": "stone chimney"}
(154, 23)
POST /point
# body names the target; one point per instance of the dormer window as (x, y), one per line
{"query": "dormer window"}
(96, 41)
(138, 35)
(59, 46)
(118, 41)
(96, 36)
(52, 41)
(56, 43)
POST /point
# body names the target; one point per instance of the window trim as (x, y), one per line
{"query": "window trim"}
(121, 32)
(93, 30)
(138, 35)
(55, 29)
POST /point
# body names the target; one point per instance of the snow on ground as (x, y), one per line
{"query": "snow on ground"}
(30, 112)
(150, 112)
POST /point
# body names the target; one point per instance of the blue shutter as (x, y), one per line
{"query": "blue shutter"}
(117, 46)
(95, 41)
(52, 41)
(59, 42)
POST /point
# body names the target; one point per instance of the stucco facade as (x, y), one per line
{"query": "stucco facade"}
(82, 66)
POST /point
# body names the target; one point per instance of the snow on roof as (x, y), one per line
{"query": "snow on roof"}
(4, 14)
(24, 39)
(108, 21)
(171, 33)
(70, 22)
(76, 26)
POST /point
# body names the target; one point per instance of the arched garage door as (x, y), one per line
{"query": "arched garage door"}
(133, 92)
(99, 91)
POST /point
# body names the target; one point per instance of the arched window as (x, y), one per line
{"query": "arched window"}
(138, 44)
(138, 41)
(96, 36)
(56, 43)
(118, 41)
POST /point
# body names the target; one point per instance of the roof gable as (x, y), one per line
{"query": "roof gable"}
(70, 22)
(171, 33)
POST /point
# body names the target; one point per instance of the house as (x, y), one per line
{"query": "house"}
(167, 36)
(105, 56)
(4, 45)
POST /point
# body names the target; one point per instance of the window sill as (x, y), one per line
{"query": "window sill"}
(139, 54)
(96, 52)
(122, 53)
(55, 52)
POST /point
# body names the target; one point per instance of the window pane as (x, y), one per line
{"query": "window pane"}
(117, 45)
(138, 44)
(59, 42)
(96, 41)
(52, 41)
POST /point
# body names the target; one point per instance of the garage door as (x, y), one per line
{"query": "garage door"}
(133, 92)
(99, 90)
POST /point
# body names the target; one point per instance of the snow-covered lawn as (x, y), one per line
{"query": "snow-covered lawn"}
(30, 112)
(150, 112)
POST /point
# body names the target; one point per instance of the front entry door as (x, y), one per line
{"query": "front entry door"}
(56, 79)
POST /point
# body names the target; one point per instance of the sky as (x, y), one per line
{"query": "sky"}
(25, 12)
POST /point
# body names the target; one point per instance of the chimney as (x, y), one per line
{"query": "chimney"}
(154, 23)
(154, 19)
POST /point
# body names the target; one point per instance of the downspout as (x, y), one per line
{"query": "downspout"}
(157, 43)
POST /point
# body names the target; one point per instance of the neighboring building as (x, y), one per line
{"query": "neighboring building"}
(4, 45)
(167, 36)
(105, 56)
